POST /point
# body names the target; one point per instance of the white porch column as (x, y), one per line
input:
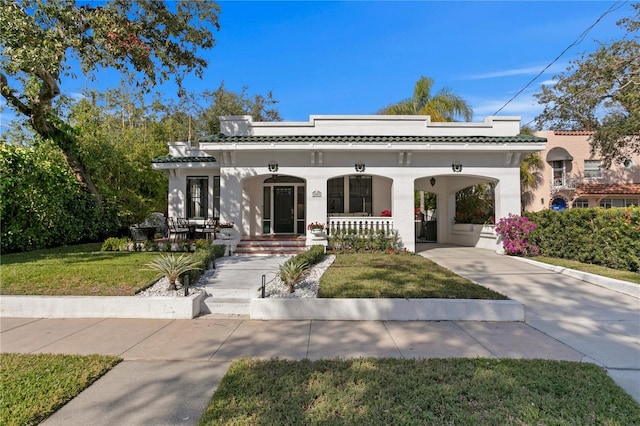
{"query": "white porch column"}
(230, 197)
(316, 202)
(507, 193)
(176, 196)
(403, 211)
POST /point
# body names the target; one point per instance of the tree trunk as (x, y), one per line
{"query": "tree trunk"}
(49, 126)
(172, 285)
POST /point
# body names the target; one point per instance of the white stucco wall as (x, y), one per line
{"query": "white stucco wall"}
(398, 168)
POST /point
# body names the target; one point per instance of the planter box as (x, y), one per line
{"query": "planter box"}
(472, 235)
(100, 307)
(386, 309)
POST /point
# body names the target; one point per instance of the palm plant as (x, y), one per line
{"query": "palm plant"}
(530, 176)
(171, 267)
(291, 272)
(443, 106)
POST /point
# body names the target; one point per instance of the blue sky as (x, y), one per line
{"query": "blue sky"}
(356, 57)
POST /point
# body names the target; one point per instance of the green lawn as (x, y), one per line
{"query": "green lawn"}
(35, 386)
(633, 277)
(411, 392)
(75, 270)
(380, 275)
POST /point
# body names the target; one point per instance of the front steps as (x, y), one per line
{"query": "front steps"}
(227, 306)
(271, 245)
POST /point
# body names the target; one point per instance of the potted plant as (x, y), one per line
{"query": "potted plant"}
(385, 213)
(316, 228)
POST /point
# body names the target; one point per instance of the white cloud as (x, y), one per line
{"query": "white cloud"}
(525, 107)
(533, 70)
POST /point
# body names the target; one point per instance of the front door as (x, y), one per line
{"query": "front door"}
(283, 209)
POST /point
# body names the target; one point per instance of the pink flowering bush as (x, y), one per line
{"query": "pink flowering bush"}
(513, 230)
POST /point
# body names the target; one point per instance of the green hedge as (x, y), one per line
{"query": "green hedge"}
(42, 204)
(312, 256)
(205, 253)
(606, 237)
(367, 241)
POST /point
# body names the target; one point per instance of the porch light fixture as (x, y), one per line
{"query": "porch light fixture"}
(360, 167)
(273, 167)
(456, 167)
(432, 181)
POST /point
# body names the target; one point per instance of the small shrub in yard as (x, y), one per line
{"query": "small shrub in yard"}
(349, 241)
(312, 256)
(172, 267)
(513, 230)
(292, 271)
(116, 244)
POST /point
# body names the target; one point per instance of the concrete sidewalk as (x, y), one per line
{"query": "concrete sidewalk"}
(172, 367)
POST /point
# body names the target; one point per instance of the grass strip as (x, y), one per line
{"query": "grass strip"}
(81, 270)
(404, 275)
(35, 386)
(632, 277)
(372, 391)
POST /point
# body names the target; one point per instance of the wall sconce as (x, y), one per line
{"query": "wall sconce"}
(273, 167)
(360, 167)
(456, 167)
(432, 181)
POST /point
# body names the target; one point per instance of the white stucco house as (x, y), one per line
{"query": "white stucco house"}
(272, 178)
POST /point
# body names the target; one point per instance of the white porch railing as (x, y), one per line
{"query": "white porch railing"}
(359, 225)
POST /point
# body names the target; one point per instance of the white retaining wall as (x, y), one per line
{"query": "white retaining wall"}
(386, 309)
(100, 307)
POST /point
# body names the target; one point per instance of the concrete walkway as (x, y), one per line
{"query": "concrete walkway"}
(172, 367)
(602, 324)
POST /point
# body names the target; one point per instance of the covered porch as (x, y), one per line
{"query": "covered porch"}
(350, 174)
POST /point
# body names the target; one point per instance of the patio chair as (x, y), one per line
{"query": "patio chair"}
(208, 228)
(176, 230)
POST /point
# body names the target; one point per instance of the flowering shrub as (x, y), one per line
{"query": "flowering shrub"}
(315, 226)
(513, 230)
(385, 213)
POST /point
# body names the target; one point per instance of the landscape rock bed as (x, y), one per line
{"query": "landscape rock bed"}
(159, 288)
(307, 288)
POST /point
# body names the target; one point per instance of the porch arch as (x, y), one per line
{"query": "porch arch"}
(350, 195)
(273, 204)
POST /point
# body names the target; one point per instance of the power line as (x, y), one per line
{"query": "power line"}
(575, 43)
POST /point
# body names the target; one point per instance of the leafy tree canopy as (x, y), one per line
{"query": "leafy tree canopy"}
(600, 92)
(224, 102)
(443, 106)
(147, 41)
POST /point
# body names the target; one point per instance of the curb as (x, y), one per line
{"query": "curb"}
(624, 287)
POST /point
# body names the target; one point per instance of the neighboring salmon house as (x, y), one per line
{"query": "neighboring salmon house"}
(361, 171)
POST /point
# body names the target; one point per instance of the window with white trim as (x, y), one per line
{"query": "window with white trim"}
(197, 196)
(608, 203)
(592, 169)
(581, 203)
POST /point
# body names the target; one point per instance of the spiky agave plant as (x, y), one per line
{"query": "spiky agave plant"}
(171, 267)
(291, 272)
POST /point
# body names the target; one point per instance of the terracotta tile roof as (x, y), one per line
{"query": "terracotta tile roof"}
(573, 132)
(337, 139)
(609, 189)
